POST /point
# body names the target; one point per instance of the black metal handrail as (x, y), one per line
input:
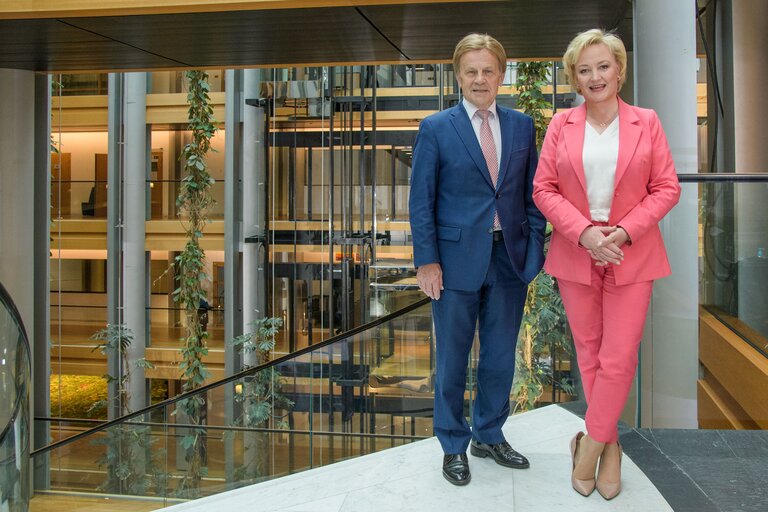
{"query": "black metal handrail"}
(242, 374)
(723, 177)
(245, 373)
(266, 430)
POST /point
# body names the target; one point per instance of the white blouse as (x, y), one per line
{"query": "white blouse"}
(599, 156)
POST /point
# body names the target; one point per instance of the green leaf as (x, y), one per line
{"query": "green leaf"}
(188, 442)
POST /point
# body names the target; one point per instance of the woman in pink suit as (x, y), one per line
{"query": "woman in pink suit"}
(605, 179)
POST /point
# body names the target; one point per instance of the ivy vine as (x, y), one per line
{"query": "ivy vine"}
(193, 202)
(544, 333)
(532, 77)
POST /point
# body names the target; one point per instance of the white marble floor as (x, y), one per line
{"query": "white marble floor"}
(409, 478)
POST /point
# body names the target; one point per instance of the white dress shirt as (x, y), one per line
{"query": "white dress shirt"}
(493, 121)
(599, 156)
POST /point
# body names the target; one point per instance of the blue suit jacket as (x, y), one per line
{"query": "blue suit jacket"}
(452, 198)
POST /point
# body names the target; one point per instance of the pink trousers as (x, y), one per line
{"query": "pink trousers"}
(607, 324)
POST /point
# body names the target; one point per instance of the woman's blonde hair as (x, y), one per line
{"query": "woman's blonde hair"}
(474, 41)
(589, 38)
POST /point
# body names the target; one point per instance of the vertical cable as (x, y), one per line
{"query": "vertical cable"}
(58, 265)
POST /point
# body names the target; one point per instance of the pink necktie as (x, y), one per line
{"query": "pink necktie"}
(489, 152)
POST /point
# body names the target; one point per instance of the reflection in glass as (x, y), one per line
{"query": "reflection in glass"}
(734, 261)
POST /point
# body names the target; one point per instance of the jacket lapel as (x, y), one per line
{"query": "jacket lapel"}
(463, 126)
(629, 136)
(507, 134)
(573, 132)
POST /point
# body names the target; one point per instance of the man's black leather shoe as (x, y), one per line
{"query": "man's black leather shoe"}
(502, 453)
(456, 469)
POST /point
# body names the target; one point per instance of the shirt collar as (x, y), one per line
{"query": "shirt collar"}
(472, 109)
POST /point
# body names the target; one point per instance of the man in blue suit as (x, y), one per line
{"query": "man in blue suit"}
(477, 243)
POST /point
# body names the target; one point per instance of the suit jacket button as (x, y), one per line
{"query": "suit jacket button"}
(490, 230)
(498, 195)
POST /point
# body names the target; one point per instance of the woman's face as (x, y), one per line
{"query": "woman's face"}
(597, 74)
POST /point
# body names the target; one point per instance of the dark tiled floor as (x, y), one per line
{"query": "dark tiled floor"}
(701, 470)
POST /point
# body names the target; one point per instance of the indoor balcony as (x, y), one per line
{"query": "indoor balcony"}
(345, 424)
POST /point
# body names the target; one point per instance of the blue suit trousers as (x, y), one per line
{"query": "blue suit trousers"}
(498, 307)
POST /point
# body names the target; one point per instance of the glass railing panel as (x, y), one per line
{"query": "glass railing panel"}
(734, 257)
(167, 326)
(81, 84)
(15, 375)
(163, 194)
(165, 82)
(78, 199)
(62, 428)
(364, 392)
(75, 324)
(128, 459)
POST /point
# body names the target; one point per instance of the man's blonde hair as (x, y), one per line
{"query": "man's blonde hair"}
(475, 41)
(589, 38)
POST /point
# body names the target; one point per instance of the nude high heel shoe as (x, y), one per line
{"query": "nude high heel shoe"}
(609, 490)
(583, 487)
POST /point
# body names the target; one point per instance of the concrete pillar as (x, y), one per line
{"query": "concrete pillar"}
(665, 80)
(233, 204)
(18, 176)
(115, 312)
(254, 196)
(233, 241)
(134, 232)
(17, 190)
(41, 360)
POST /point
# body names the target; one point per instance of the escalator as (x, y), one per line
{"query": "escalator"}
(15, 378)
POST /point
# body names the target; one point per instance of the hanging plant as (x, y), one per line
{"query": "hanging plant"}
(193, 202)
(532, 77)
(129, 457)
(544, 331)
(262, 401)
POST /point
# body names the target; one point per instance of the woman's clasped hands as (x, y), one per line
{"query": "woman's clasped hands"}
(603, 243)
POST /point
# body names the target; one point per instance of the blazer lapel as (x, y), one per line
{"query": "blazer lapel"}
(507, 134)
(573, 133)
(463, 126)
(629, 136)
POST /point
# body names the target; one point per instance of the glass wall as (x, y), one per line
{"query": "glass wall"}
(734, 258)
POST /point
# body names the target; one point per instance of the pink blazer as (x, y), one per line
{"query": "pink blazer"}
(645, 189)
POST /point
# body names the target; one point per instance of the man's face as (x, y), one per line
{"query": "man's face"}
(479, 77)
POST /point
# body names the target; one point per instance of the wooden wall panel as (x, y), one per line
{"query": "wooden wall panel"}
(734, 370)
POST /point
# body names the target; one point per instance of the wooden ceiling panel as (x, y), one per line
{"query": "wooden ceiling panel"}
(527, 29)
(50, 45)
(424, 32)
(248, 38)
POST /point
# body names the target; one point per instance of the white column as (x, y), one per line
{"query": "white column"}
(41, 340)
(134, 217)
(254, 200)
(665, 80)
(17, 187)
(17, 218)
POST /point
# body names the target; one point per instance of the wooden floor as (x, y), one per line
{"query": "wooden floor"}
(54, 502)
